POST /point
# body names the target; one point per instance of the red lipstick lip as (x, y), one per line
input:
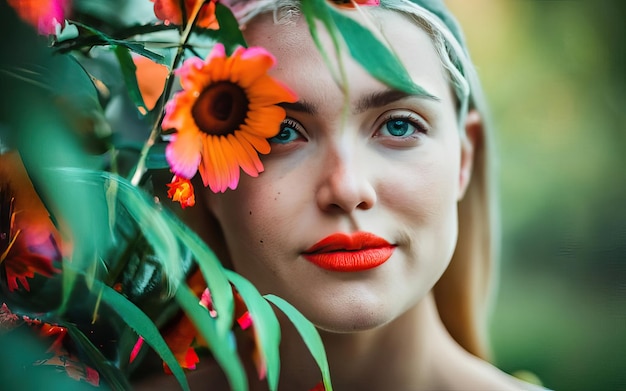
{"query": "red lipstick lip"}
(349, 252)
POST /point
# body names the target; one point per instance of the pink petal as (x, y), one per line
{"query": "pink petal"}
(183, 154)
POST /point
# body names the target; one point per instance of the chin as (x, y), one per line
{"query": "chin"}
(351, 313)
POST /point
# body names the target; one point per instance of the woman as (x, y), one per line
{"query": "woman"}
(373, 215)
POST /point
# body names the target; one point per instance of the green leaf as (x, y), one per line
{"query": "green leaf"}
(156, 157)
(318, 9)
(129, 71)
(100, 38)
(374, 56)
(143, 326)
(224, 352)
(114, 378)
(229, 33)
(212, 271)
(364, 47)
(265, 325)
(309, 335)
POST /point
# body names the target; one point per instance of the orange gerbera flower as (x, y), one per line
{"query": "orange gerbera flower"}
(43, 14)
(169, 11)
(181, 190)
(224, 115)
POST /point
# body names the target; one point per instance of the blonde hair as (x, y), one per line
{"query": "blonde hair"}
(463, 294)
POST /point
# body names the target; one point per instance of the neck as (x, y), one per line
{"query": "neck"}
(397, 355)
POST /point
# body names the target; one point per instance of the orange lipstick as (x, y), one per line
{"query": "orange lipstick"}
(355, 252)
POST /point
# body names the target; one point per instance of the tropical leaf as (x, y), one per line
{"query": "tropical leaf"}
(229, 33)
(364, 47)
(143, 326)
(129, 72)
(309, 335)
(156, 157)
(113, 377)
(212, 271)
(265, 323)
(100, 38)
(221, 346)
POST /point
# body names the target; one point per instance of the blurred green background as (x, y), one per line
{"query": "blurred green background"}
(554, 75)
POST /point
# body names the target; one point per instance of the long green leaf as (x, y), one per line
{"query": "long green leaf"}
(364, 46)
(309, 335)
(157, 227)
(104, 39)
(212, 271)
(374, 56)
(112, 376)
(265, 324)
(129, 72)
(138, 321)
(313, 10)
(225, 353)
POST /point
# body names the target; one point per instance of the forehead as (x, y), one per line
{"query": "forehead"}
(301, 66)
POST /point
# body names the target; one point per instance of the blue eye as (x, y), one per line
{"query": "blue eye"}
(399, 127)
(288, 132)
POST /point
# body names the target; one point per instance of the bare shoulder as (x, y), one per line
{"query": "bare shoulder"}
(492, 378)
(468, 372)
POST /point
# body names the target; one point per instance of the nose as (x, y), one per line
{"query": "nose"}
(345, 182)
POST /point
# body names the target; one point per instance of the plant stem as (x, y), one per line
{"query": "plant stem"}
(140, 168)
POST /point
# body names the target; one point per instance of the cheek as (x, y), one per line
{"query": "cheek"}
(425, 188)
(256, 219)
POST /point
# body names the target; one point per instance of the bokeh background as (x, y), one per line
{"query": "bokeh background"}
(554, 73)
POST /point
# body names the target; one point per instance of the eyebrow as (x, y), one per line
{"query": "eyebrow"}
(383, 98)
(301, 106)
(370, 101)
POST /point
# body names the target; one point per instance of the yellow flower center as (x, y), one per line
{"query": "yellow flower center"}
(221, 108)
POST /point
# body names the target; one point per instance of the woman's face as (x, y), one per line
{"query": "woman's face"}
(388, 164)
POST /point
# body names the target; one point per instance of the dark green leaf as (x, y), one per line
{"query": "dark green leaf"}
(129, 71)
(229, 32)
(138, 321)
(265, 323)
(99, 38)
(113, 377)
(156, 157)
(223, 350)
(212, 271)
(309, 335)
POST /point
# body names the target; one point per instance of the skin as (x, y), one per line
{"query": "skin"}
(343, 172)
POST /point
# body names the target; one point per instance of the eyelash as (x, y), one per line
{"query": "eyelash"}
(414, 121)
(291, 124)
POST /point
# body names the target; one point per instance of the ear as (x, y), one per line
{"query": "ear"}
(470, 143)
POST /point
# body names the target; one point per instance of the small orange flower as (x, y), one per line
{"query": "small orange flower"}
(181, 190)
(224, 115)
(169, 11)
(43, 14)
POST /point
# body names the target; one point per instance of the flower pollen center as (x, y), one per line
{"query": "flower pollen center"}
(221, 108)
